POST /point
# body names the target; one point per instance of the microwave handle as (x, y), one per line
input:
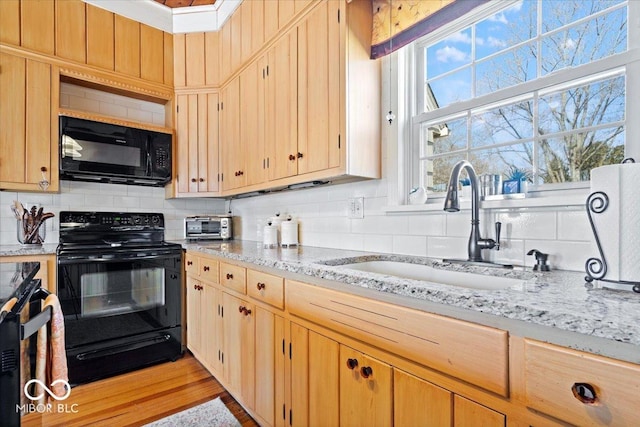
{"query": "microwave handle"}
(148, 151)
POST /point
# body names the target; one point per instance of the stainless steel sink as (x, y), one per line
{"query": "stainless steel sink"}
(433, 275)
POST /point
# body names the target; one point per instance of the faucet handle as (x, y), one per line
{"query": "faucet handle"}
(498, 228)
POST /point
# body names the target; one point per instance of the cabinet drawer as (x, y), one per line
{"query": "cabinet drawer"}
(553, 373)
(473, 353)
(191, 264)
(233, 277)
(208, 270)
(266, 287)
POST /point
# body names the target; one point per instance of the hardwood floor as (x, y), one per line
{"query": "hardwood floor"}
(140, 397)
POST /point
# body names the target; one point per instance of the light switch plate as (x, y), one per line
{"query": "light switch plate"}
(356, 208)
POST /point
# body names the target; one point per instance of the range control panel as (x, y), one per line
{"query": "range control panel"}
(110, 220)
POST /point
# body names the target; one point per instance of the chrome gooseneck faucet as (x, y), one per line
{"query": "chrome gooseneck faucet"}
(452, 204)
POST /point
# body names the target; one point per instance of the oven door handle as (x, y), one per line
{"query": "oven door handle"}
(62, 260)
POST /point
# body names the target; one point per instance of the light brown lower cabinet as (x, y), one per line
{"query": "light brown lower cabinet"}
(239, 348)
(280, 351)
(365, 390)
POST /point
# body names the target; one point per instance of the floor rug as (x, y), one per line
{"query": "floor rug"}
(210, 414)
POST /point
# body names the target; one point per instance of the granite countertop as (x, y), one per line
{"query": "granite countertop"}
(17, 250)
(557, 306)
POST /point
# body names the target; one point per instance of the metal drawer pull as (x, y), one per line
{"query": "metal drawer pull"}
(585, 393)
(244, 310)
(366, 371)
(189, 262)
(229, 276)
(206, 268)
(260, 286)
(352, 363)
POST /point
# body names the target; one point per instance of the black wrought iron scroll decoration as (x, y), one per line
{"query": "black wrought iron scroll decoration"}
(596, 268)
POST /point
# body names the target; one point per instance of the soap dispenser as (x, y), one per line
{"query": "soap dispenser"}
(541, 260)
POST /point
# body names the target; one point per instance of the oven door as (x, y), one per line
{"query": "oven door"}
(119, 307)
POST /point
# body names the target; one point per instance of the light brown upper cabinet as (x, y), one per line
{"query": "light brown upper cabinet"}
(212, 58)
(10, 22)
(225, 51)
(37, 26)
(100, 37)
(231, 152)
(151, 54)
(236, 40)
(281, 110)
(270, 14)
(27, 132)
(252, 138)
(197, 142)
(168, 58)
(195, 59)
(71, 30)
(127, 46)
(319, 61)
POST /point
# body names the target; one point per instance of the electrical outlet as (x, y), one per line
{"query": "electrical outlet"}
(356, 208)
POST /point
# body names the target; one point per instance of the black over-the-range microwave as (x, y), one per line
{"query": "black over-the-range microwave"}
(104, 152)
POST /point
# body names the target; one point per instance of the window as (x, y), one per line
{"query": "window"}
(534, 90)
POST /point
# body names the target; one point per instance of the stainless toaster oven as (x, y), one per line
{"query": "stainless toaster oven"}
(214, 227)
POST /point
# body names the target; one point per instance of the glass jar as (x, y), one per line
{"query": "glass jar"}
(26, 235)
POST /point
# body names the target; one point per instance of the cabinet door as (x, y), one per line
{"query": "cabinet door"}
(194, 329)
(324, 381)
(10, 22)
(419, 403)
(239, 346)
(252, 123)
(299, 365)
(37, 25)
(281, 108)
(195, 59)
(270, 19)
(469, 413)
(266, 349)
(127, 46)
(319, 89)
(71, 39)
(210, 166)
(25, 124)
(211, 331)
(365, 390)
(100, 37)
(151, 54)
(232, 155)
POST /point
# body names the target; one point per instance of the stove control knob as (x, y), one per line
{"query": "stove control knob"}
(155, 219)
(137, 220)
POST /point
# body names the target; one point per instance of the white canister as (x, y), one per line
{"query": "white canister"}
(270, 236)
(276, 221)
(289, 233)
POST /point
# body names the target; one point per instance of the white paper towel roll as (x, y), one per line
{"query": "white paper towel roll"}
(618, 226)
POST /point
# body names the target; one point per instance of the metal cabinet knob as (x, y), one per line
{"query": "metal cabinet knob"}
(189, 262)
(260, 286)
(229, 276)
(352, 363)
(205, 268)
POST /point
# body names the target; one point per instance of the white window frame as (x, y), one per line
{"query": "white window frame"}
(400, 93)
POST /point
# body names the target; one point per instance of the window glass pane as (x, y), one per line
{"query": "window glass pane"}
(436, 172)
(571, 157)
(448, 89)
(449, 54)
(506, 28)
(556, 13)
(504, 160)
(595, 39)
(443, 137)
(584, 106)
(503, 124)
(506, 70)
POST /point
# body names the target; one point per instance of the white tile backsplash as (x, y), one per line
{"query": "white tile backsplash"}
(88, 196)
